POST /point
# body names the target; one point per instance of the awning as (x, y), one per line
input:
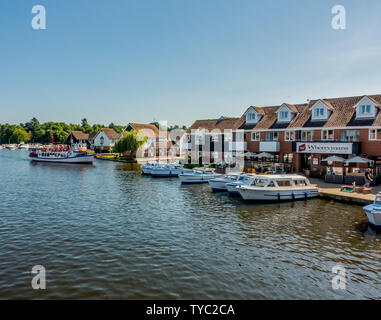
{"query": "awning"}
(334, 159)
(358, 160)
(263, 155)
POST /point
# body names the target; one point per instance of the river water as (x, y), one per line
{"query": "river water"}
(104, 232)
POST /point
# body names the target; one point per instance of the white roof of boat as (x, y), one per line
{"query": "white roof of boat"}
(281, 176)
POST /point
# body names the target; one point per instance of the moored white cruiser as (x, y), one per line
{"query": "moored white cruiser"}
(199, 175)
(278, 188)
(373, 212)
(219, 184)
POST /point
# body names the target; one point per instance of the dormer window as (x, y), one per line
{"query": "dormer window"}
(366, 108)
(252, 117)
(321, 111)
(283, 115)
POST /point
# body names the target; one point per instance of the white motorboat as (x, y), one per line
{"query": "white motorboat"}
(166, 171)
(278, 188)
(198, 175)
(75, 153)
(219, 184)
(146, 170)
(11, 147)
(232, 186)
(373, 212)
(24, 146)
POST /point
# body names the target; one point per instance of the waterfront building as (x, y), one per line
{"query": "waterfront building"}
(302, 136)
(80, 138)
(158, 144)
(105, 139)
(214, 140)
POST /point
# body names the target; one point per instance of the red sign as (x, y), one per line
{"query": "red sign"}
(302, 148)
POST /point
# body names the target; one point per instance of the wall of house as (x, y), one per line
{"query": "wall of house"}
(107, 142)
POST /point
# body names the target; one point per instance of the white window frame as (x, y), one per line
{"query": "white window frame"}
(306, 132)
(257, 136)
(289, 135)
(274, 133)
(375, 134)
(327, 134)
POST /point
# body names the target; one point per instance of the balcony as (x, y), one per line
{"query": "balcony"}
(269, 146)
(238, 146)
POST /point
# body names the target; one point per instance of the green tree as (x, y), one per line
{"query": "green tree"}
(130, 142)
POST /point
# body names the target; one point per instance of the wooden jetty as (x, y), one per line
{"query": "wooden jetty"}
(338, 195)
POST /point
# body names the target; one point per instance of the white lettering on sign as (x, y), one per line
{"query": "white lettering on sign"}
(314, 147)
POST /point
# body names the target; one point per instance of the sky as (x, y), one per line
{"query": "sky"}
(126, 61)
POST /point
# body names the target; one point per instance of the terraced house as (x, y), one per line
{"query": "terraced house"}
(300, 136)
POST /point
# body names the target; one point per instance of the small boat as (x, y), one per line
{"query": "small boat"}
(166, 171)
(11, 147)
(75, 153)
(146, 170)
(278, 188)
(373, 212)
(198, 175)
(219, 184)
(24, 146)
(232, 186)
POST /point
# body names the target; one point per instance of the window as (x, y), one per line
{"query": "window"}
(327, 135)
(350, 135)
(215, 138)
(288, 157)
(307, 135)
(251, 117)
(365, 110)
(375, 134)
(283, 115)
(272, 136)
(319, 113)
(289, 136)
(255, 136)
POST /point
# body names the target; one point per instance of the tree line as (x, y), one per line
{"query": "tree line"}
(36, 132)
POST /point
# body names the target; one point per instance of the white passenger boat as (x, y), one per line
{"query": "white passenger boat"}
(198, 175)
(24, 146)
(166, 171)
(373, 212)
(232, 186)
(219, 184)
(75, 153)
(278, 188)
(146, 170)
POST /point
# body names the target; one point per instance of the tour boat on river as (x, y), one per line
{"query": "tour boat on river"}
(75, 153)
(278, 188)
(373, 212)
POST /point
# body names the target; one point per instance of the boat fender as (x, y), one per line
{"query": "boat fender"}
(293, 196)
(278, 196)
(305, 195)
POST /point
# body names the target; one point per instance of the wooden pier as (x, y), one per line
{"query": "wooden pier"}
(338, 195)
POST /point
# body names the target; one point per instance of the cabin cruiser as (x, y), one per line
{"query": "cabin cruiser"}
(146, 170)
(278, 188)
(75, 153)
(232, 186)
(373, 212)
(11, 147)
(24, 146)
(166, 171)
(219, 184)
(198, 175)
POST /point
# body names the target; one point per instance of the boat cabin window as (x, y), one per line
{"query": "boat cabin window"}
(271, 184)
(284, 183)
(259, 182)
(301, 183)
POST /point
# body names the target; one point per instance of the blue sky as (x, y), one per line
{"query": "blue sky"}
(138, 60)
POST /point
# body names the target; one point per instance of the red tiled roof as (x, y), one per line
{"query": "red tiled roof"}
(111, 133)
(223, 123)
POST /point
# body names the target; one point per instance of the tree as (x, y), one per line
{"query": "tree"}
(130, 142)
(19, 135)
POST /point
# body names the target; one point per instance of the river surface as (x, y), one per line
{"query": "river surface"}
(104, 232)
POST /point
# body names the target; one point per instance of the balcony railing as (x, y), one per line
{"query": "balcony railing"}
(269, 146)
(238, 146)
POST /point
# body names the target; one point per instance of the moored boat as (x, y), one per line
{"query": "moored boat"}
(278, 188)
(198, 175)
(232, 186)
(373, 212)
(219, 184)
(75, 153)
(167, 171)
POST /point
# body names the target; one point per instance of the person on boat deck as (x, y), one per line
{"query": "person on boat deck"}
(368, 178)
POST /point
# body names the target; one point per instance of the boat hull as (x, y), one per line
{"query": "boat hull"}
(277, 195)
(199, 178)
(73, 160)
(218, 185)
(374, 219)
(166, 173)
